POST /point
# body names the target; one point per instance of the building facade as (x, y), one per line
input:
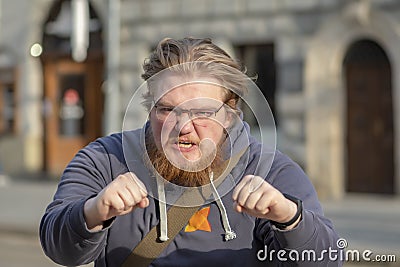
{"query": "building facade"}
(328, 68)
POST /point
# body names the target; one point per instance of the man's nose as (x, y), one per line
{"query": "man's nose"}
(183, 123)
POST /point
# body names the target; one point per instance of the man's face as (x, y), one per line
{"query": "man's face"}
(188, 124)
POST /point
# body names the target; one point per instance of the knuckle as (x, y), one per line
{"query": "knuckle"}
(241, 202)
(121, 177)
(130, 202)
(108, 191)
(247, 179)
(136, 200)
(260, 207)
(119, 207)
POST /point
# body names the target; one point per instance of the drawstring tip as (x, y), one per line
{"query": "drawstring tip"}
(230, 235)
(163, 238)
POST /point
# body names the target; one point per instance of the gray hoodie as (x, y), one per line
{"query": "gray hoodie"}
(66, 239)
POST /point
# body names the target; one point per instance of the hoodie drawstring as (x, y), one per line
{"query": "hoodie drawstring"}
(163, 210)
(229, 234)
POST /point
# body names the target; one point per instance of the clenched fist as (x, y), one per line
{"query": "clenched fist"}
(120, 197)
(258, 198)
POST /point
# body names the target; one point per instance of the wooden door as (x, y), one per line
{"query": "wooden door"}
(73, 103)
(369, 120)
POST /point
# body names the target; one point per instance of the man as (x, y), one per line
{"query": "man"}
(251, 206)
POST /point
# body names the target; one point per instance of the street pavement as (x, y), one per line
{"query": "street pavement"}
(368, 223)
(22, 249)
(22, 204)
(364, 222)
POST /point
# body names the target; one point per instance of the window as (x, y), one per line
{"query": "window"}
(259, 60)
(7, 102)
(72, 107)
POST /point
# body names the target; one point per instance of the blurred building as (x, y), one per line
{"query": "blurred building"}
(329, 69)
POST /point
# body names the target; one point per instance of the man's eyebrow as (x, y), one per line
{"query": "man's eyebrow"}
(206, 106)
(160, 103)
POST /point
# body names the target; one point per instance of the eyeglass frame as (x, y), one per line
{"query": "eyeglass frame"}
(179, 111)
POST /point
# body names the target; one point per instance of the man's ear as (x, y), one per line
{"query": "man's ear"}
(228, 120)
(230, 114)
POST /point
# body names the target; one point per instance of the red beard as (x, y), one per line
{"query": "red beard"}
(173, 174)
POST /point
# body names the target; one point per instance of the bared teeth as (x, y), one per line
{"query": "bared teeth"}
(185, 144)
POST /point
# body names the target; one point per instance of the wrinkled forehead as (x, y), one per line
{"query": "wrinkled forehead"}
(169, 81)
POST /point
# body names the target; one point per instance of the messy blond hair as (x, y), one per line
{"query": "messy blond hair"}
(191, 56)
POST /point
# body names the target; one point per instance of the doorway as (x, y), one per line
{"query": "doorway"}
(370, 139)
(73, 98)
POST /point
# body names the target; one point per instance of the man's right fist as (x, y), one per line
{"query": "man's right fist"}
(119, 197)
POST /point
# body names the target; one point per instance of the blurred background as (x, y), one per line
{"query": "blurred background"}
(330, 70)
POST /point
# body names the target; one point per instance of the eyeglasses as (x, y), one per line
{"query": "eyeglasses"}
(171, 114)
